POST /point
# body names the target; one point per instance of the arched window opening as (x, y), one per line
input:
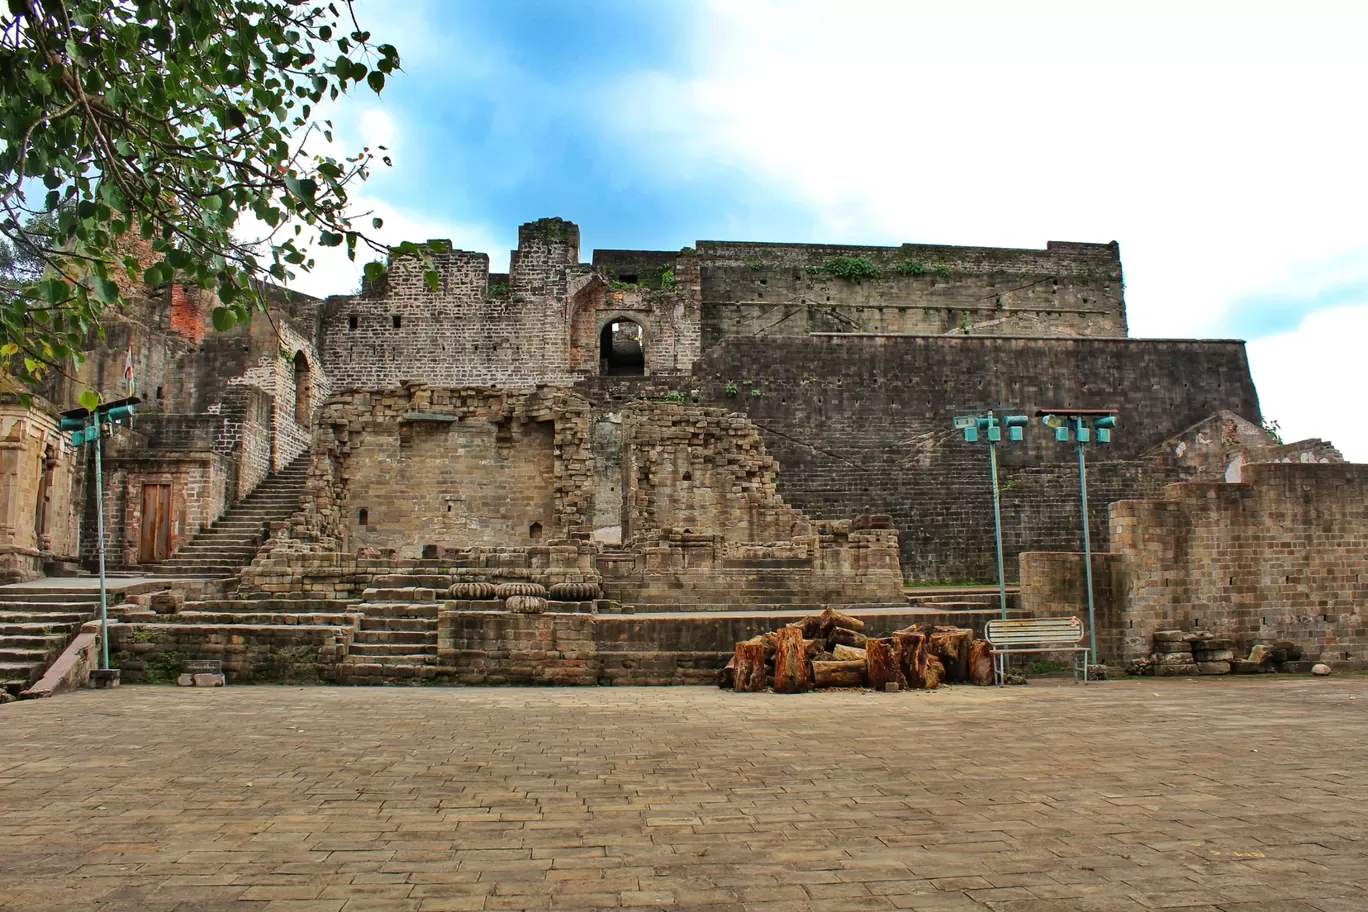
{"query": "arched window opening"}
(688, 476)
(303, 389)
(622, 351)
(362, 517)
(534, 531)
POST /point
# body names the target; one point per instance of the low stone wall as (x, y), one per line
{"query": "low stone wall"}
(1281, 556)
(301, 574)
(497, 647)
(153, 653)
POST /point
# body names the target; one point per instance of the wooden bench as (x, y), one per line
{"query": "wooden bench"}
(1023, 635)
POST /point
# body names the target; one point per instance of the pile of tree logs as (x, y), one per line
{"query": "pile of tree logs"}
(832, 650)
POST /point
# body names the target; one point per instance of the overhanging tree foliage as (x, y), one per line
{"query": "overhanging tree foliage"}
(161, 139)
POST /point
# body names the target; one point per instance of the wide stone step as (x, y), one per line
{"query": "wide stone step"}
(388, 664)
(379, 624)
(291, 619)
(50, 619)
(52, 607)
(26, 594)
(399, 609)
(21, 672)
(439, 582)
(22, 655)
(386, 650)
(275, 605)
(41, 642)
(25, 630)
(369, 635)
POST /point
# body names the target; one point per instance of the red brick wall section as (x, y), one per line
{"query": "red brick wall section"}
(188, 313)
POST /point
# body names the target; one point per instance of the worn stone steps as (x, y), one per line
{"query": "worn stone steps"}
(390, 665)
(402, 609)
(25, 655)
(362, 652)
(296, 619)
(275, 605)
(37, 640)
(30, 596)
(230, 543)
(50, 618)
(15, 676)
(35, 626)
(425, 635)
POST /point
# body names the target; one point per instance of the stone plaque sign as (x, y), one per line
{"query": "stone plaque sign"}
(202, 666)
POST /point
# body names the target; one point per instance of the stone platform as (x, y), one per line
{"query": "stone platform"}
(464, 642)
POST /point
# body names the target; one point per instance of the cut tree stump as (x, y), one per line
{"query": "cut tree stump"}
(913, 656)
(748, 664)
(839, 674)
(951, 646)
(844, 653)
(980, 662)
(830, 619)
(726, 678)
(935, 673)
(846, 637)
(881, 663)
(790, 661)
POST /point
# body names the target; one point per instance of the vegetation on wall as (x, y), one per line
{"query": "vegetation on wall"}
(852, 269)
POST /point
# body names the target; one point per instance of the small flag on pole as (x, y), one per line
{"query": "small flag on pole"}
(129, 385)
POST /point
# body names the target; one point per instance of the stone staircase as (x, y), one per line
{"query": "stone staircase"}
(394, 642)
(223, 549)
(35, 626)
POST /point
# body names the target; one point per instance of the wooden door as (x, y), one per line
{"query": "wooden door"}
(155, 544)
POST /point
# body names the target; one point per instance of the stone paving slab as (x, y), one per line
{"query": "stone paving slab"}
(1234, 794)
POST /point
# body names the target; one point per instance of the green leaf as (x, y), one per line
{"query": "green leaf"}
(376, 80)
(90, 400)
(106, 291)
(223, 319)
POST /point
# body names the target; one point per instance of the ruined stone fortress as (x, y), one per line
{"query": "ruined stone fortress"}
(611, 471)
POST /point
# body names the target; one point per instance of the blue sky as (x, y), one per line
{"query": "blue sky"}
(1221, 144)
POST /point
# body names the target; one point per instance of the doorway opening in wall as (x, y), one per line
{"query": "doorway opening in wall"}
(303, 388)
(622, 351)
(534, 531)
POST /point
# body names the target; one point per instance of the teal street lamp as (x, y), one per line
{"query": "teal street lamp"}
(87, 427)
(990, 426)
(1083, 426)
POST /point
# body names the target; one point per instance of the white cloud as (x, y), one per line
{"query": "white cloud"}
(1215, 148)
(335, 274)
(368, 124)
(1311, 380)
(1213, 141)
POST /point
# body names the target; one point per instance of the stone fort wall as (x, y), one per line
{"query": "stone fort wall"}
(863, 424)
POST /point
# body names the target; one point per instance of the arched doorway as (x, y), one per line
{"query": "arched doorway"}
(622, 351)
(303, 389)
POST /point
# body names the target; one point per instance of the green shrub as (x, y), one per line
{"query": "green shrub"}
(852, 269)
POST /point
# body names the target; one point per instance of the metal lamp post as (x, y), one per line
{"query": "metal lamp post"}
(88, 427)
(1074, 424)
(990, 425)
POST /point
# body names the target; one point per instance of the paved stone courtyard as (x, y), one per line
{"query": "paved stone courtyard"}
(1240, 795)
